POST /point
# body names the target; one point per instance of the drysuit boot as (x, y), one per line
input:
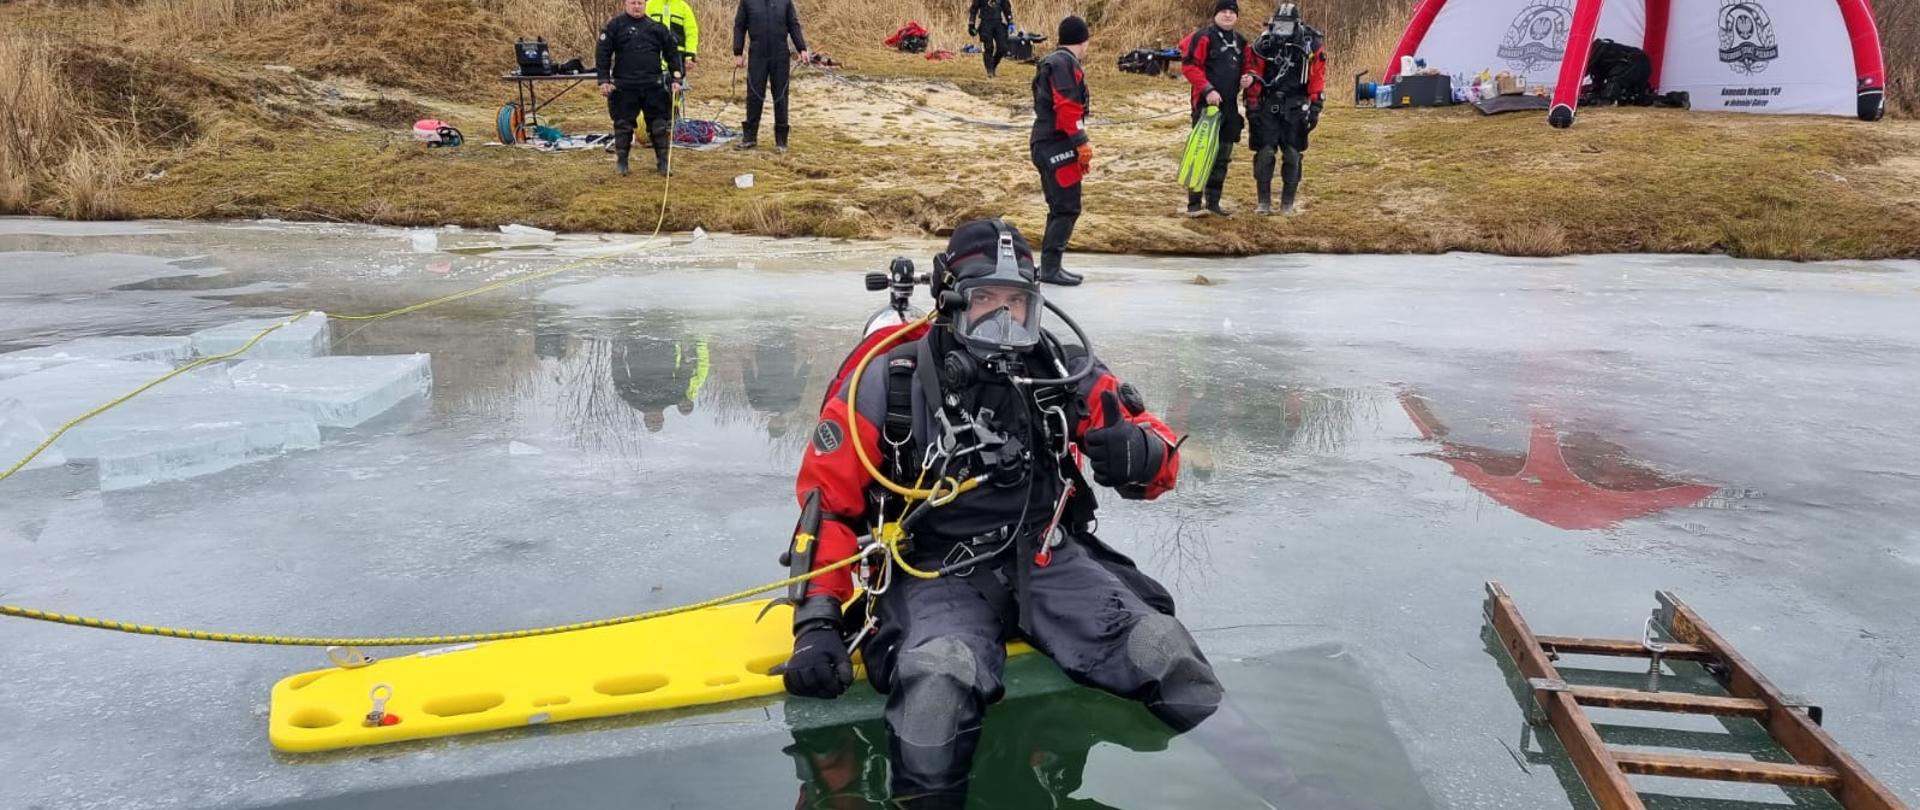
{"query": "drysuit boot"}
(661, 144)
(1052, 273)
(622, 145)
(1263, 161)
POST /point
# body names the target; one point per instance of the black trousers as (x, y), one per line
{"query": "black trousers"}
(939, 652)
(1278, 126)
(764, 72)
(1231, 125)
(1059, 167)
(993, 46)
(627, 104)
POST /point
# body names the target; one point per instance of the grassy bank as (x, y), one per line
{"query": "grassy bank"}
(193, 116)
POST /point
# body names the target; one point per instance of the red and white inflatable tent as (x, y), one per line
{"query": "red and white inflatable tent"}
(1819, 57)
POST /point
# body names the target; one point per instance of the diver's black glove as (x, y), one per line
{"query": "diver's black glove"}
(973, 30)
(1313, 117)
(820, 666)
(1121, 453)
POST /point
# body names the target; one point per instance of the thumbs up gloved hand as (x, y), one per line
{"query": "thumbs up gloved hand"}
(820, 666)
(1120, 452)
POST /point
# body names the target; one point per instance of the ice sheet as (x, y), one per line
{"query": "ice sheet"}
(20, 433)
(307, 337)
(158, 348)
(338, 391)
(176, 438)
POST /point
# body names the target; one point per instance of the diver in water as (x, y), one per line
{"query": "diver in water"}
(993, 414)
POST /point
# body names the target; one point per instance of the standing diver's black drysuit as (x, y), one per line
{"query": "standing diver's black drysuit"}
(630, 55)
(767, 25)
(989, 20)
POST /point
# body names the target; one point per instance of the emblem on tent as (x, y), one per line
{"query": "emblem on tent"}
(1538, 36)
(1746, 36)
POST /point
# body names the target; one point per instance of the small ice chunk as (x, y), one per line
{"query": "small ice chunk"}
(178, 438)
(20, 433)
(307, 337)
(699, 233)
(161, 349)
(527, 233)
(424, 241)
(519, 448)
(337, 391)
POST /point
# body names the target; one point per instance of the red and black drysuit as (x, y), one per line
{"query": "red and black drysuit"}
(1059, 148)
(1283, 107)
(939, 648)
(1213, 60)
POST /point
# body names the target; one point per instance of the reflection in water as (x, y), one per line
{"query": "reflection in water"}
(776, 379)
(1035, 757)
(652, 373)
(1573, 480)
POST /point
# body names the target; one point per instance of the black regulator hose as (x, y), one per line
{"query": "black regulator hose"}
(1073, 377)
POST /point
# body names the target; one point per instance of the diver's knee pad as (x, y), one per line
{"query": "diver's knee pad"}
(939, 687)
(1184, 687)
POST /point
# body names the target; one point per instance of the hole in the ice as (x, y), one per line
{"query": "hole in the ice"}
(313, 717)
(556, 700)
(722, 680)
(457, 705)
(630, 684)
(305, 680)
(764, 664)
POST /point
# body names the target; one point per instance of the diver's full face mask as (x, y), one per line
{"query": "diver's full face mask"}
(1282, 30)
(998, 316)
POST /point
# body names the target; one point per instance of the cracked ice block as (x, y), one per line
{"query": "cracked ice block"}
(60, 394)
(20, 433)
(307, 337)
(177, 438)
(338, 391)
(159, 349)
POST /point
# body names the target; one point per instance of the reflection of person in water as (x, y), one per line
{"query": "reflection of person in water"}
(1034, 758)
(776, 380)
(1571, 481)
(653, 373)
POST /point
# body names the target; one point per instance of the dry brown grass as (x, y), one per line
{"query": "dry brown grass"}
(32, 114)
(1531, 239)
(53, 159)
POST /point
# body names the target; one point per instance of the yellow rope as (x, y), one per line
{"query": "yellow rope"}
(659, 222)
(402, 641)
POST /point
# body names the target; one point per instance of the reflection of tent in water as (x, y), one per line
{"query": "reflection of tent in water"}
(652, 374)
(1572, 481)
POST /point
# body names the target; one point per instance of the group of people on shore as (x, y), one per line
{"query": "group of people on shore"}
(1269, 86)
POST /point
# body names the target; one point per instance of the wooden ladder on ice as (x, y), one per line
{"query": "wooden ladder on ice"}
(1819, 761)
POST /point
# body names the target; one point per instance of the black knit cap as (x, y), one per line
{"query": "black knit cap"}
(978, 242)
(1073, 31)
(1226, 5)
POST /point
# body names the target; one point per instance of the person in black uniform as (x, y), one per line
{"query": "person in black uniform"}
(1214, 60)
(989, 20)
(1059, 144)
(768, 24)
(633, 47)
(1283, 105)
